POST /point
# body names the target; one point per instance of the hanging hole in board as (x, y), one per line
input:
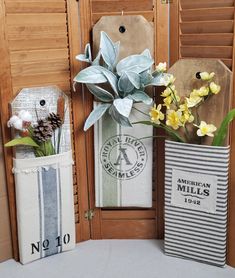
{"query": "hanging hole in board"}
(42, 102)
(122, 29)
(198, 76)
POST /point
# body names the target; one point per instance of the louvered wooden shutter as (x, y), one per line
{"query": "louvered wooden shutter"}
(35, 51)
(118, 223)
(205, 29)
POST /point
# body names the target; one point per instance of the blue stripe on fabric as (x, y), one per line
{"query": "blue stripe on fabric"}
(50, 200)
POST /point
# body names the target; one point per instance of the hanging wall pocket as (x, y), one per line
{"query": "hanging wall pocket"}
(44, 185)
(123, 161)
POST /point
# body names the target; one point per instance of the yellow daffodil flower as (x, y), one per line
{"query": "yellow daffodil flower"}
(205, 129)
(202, 92)
(193, 101)
(169, 90)
(215, 89)
(205, 76)
(166, 93)
(156, 115)
(173, 119)
(167, 80)
(161, 67)
(187, 116)
(167, 102)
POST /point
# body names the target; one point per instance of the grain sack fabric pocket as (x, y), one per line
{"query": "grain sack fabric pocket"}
(123, 162)
(196, 188)
(45, 209)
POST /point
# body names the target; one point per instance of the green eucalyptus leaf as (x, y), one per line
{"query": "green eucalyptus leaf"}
(108, 50)
(134, 63)
(140, 96)
(123, 106)
(92, 74)
(223, 129)
(100, 93)
(117, 117)
(26, 141)
(95, 115)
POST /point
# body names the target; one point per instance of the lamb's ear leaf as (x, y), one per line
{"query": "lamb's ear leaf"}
(123, 106)
(128, 81)
(26, 141)
(147, 53)
(124, 84)
(112, 79)
(96, 61)
(88, 52)
(108, 50)
(100, 93)
(134, 63)
(223, 129)
(92, 75)
(117, 117)
(87, 57)
(95, 115)
(140, 96)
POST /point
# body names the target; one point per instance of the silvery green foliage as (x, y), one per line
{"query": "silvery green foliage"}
(125, 81)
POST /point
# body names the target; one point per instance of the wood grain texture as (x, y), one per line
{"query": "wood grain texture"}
(99, 6)
(5, 231)
(162, 48)
(5, 97)
(75, 46)
(231, 205)
(215, 108)
(85, 32)
(130, 229)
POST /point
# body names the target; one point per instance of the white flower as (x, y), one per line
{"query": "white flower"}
(15, 122)
(206, 76)
(161, 67)
(167, 79)
(205, 129)
(25, 116)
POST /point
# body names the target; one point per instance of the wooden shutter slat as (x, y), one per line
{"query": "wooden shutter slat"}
(192, 4)
(207, 51)
(207, 39)
(15, 32)
(225, 26)
(32, 19)
(119, 6)
(32, 6)
(41, 43)
(38, 67)
(38, 55)
(208, 14)
(149, 15)
(36, 79)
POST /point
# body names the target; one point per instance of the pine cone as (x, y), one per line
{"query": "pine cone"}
(55, 120)
(43, 131)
